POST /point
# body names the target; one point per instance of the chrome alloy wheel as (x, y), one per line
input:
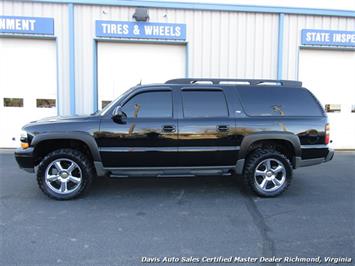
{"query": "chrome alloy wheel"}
(270, 175)
(63, 176)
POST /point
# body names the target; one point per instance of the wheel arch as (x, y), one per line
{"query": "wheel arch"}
(285, 140)
(45, 143)
(250, 140)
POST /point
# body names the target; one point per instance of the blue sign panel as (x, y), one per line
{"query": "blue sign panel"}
(26, 25)
(328, 37)
(140, 30)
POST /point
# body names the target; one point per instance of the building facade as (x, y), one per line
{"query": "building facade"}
(73, 57)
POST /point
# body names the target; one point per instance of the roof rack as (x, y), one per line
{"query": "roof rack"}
(252, 82)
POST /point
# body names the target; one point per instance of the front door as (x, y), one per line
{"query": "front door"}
(149, 136)
(206, 130)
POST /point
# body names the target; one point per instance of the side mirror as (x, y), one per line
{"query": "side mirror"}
(119, 116)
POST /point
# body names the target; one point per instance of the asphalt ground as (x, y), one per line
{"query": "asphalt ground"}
(121, 221)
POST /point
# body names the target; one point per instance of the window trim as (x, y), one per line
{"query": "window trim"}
(203, 89)
(148, 91)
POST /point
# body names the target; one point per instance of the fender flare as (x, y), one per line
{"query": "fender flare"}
(81, 136)
(252, 138)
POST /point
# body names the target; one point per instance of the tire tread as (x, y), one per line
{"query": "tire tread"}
(251, 161)
(81, 157)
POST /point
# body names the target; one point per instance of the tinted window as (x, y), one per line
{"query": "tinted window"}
(271, 101)
(150, 104)
(204, 104)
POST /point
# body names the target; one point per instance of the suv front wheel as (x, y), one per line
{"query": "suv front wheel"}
(64, 174)
(268, 172)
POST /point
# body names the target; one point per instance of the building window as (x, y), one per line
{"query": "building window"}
(13, 102)
(332, 108)
(104, 103)
(45, 103)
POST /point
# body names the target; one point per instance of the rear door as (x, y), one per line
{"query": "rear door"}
(206, 128)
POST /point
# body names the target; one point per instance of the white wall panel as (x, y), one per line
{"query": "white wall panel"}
(338, 66)
(85, 17)
(27, 71)
(123, 65)
(220, 44)
(292, 37)
(60, 14)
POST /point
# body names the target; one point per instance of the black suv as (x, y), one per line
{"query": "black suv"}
(261, 129)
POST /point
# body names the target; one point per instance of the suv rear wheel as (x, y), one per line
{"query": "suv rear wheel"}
(268, 172)
(64, 174)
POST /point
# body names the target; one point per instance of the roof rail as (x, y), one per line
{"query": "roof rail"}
(286, 83)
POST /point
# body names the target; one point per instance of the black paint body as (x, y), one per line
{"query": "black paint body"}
(178, 141)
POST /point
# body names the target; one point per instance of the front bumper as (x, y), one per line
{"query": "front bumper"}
(24, 158)
(299, 162)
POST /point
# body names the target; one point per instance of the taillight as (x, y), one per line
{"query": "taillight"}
(327, 133)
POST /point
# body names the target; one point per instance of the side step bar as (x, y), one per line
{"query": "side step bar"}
(162, 173)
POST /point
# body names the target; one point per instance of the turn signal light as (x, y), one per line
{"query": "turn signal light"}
(327, 133)
(24, 145)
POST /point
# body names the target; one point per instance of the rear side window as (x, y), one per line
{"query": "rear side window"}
(204, 103)
(271, 101)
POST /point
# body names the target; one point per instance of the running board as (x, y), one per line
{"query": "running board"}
(176, 172)
(176, 175)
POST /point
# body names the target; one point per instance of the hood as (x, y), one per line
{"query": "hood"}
(62, 119)
(63, 123)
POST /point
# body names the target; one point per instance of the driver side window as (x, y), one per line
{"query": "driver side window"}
(152, 104)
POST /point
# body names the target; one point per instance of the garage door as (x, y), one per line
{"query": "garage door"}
(27, 85)
(124, 65)
(329, 74)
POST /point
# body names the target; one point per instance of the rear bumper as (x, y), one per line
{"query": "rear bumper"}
(24, 158)
(299, 162)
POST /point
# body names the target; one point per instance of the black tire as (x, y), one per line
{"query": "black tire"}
(260, 157)
(81, 160)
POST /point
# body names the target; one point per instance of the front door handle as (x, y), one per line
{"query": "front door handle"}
(222, 128)
(169, 128)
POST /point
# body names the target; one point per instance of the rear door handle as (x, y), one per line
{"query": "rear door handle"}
(222, 128)
(169, 128)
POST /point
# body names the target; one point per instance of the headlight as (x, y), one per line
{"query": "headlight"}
(24, 140)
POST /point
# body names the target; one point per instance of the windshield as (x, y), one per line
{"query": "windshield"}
(108, 107)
